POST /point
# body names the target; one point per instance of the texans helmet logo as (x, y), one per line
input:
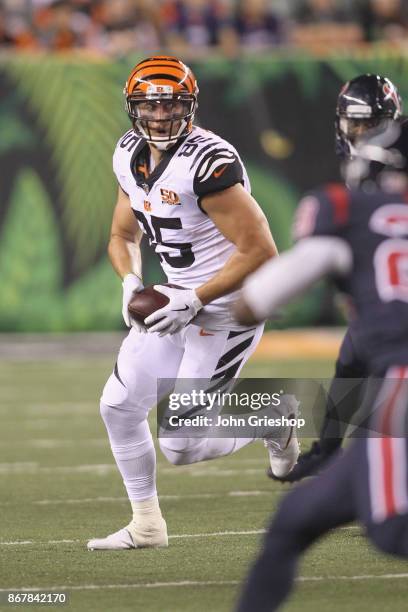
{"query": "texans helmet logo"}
(391, 93)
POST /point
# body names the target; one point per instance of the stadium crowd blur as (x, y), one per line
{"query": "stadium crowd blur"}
(198, 27)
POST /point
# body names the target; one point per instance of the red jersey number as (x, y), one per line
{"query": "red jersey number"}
(391, 270)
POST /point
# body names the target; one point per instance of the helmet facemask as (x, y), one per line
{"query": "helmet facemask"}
(160, 116)
(379, 158)
(352, 130)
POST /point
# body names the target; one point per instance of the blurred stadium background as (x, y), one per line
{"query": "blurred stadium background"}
(269, 72)
(62, 111)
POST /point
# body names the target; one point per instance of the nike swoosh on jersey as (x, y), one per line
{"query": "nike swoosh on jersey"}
(180, 309)
(217, 173)
(204, 333)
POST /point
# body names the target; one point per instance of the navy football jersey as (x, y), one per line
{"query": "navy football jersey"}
(375, 226)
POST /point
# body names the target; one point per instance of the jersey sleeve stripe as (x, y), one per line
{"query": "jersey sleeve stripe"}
(214, 157)
(216, 164)
(200, 154)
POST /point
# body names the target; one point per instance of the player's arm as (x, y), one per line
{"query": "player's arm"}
(240, 219)
(125, 237)
(318, 252)
(279, 281)
(124, 253)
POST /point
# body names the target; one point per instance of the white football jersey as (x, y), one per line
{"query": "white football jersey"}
(166, 203)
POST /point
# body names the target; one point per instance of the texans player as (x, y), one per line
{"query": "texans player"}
(367, 102)
(359, 234)
(187, 190)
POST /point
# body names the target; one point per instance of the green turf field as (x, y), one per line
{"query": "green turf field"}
(59, 487)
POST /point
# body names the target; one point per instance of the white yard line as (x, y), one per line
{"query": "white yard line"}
(91, 500)
(217, 534)
(347, 578)
(30, 467)
(58, 443)
(33, 467)
(97, 500)
(54, 408)
(188, 583)
(173, 536)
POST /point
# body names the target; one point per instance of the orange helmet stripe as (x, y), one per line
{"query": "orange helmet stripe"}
(162, 70)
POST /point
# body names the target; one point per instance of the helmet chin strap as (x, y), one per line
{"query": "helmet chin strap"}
(162, 144)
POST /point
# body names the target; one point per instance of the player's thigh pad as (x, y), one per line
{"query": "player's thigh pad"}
(212, 359)
(143, 360)
(217, 355)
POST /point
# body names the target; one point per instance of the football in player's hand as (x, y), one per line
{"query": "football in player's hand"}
(147, 301)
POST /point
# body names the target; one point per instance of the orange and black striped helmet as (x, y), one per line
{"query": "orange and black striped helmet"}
(161, 99)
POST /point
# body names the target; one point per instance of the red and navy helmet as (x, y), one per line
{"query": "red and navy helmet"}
(367, 102)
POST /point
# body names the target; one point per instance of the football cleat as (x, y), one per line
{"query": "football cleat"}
(283, 454)
(132, 536)
(282, 445)
(309, 464)
(120, 540)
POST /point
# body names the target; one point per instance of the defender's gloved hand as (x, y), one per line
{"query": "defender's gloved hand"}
(182, 307)
(131, 283)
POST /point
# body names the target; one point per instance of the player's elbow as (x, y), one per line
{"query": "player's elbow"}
(260, 252)
(267, 251)
(117, 240)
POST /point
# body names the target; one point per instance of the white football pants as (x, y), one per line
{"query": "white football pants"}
(134, 388)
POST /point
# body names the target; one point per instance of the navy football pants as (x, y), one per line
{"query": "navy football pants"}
(367, 483)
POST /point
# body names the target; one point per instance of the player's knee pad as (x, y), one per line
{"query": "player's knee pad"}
(117, 397)
(115, 393)
(181, 451)
(119, 422)
(391, 536)
(112, 416)
(129, 436)
(105, 411)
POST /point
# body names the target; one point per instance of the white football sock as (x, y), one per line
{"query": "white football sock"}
(148, 527)
(133, 449)
(139, 475)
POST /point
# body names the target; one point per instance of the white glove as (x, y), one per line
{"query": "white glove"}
(130, 284)
(183, 306)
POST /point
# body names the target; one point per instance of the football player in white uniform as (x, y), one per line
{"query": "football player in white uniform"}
(187, 190)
